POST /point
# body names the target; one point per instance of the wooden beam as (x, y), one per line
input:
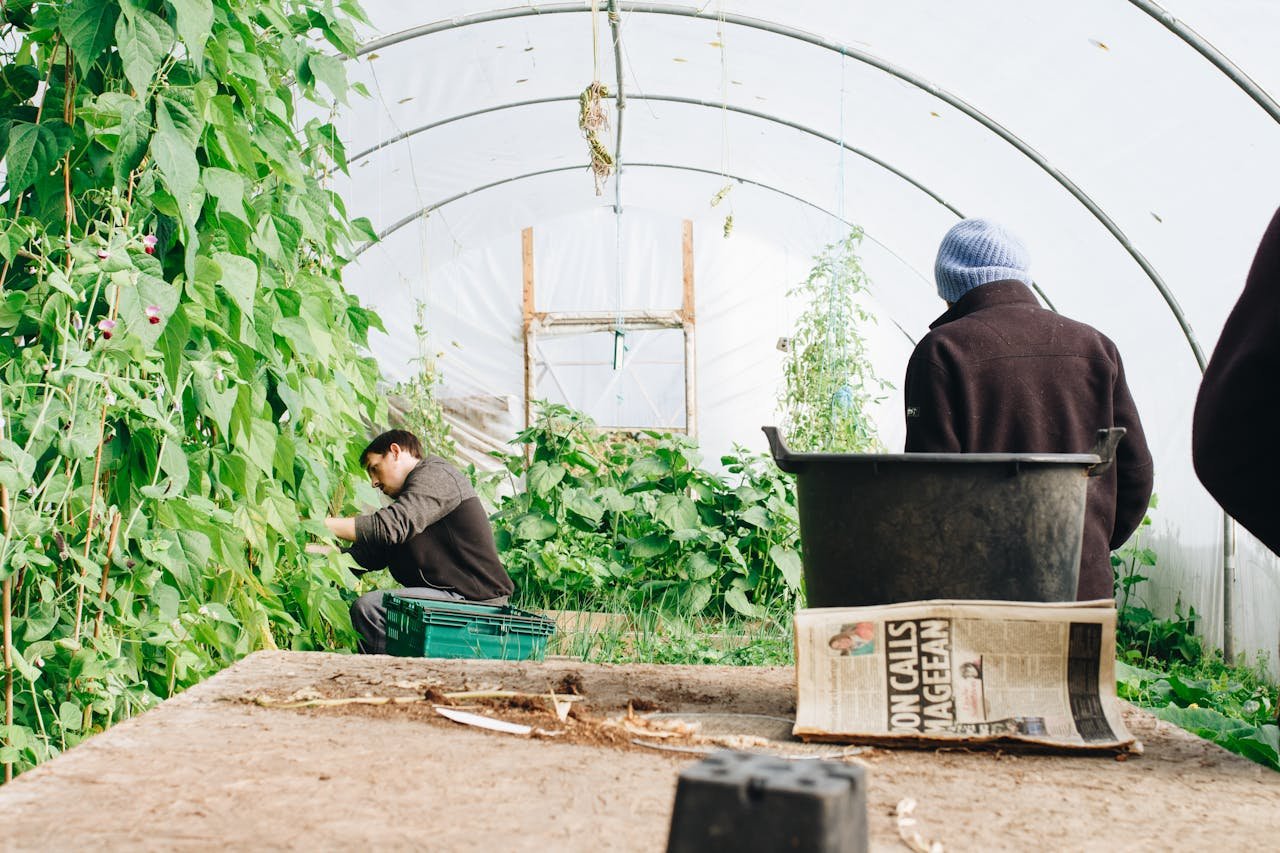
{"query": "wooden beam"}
(526, 241)
(689, 316)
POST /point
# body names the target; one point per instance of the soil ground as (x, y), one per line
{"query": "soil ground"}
(224, 765)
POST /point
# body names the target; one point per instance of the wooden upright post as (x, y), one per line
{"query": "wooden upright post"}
(526, 239)
(689, 323)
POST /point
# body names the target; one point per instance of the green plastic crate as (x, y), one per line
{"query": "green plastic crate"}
(423, 628)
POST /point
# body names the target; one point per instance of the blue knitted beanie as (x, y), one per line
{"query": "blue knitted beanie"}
(977, 252)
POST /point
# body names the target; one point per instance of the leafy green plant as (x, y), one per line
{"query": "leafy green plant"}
(1140, 634)
(183, 375)
(1234, 707)
(642, 515)
(828, 382)
(1163, 666)
(422, 413)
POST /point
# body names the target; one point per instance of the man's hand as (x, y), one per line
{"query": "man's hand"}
(343, 528)
(319, 548)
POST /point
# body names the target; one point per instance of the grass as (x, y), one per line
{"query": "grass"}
(615, 629)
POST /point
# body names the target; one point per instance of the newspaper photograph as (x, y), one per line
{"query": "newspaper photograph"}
(960, 671)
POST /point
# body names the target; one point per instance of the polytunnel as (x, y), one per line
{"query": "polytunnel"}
(1132, 146)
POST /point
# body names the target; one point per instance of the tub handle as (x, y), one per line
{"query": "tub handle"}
(781, 453)
(1105, 450)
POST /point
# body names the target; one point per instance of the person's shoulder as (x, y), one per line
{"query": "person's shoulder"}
(1083, 331)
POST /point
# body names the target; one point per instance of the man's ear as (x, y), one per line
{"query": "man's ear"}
(393, 451)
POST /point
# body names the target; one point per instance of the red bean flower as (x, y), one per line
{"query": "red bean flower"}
(103, 254)
(149, 245)
(106, 327)
(153, 314)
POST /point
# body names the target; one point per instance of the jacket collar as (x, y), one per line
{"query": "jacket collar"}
(1005, 292)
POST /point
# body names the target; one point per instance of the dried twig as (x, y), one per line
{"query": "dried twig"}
(907, 829)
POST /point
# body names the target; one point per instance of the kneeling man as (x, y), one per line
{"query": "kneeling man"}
(434, 537)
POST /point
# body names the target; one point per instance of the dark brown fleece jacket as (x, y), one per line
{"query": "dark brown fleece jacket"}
(1238, 410)
(1000, 374)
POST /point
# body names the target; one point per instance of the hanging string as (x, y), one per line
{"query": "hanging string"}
(592, 118)
(595, 41)
(835, 366)
(620, 331)
(724, 120)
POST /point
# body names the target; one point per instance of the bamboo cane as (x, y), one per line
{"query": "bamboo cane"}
(106, 568)
(6, 609)
(102, 601)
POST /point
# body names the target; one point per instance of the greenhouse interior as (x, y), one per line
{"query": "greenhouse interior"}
(584, 251)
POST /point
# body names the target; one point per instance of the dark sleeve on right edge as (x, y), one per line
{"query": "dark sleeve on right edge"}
(1134, 470)
(1234, 438)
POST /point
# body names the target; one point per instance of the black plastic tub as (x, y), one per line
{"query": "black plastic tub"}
(883, 528)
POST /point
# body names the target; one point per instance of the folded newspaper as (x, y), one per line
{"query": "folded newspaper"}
(951, 672)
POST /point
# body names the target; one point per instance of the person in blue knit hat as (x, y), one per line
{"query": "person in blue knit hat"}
(998, 373)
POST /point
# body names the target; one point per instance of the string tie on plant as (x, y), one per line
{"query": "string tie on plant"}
(106, 327)
(153, 314)
(149, 244)
(592, 120)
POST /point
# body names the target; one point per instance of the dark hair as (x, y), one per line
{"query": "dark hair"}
(407, 441)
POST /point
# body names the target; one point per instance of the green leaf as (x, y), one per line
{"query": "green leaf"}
(174, 156)
(25, 668)
(615, 501)
(649, 468)
(70, 716)
(41, 619)
(648, 547)
(88, 27)
(135, 136)
(239, 279)
(696, 598)
(228, 188)
(579, 502)
(544, 476)
(737, 599)
(788, 562)
(135, 300)
(195, 22)
(757, 516)
(262, 445)
(173, 461)
(534, 527)
(34, 151)
(700, 567)
(677, 512)
(330, 71)
(144, 40)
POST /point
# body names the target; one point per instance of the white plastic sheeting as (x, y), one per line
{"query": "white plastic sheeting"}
(1181, 160)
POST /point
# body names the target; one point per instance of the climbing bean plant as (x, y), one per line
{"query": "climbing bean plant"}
(184, 380)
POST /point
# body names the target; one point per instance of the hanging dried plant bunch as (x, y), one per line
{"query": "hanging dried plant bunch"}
(593, 119)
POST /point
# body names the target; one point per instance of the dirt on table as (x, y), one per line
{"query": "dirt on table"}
(228, 764)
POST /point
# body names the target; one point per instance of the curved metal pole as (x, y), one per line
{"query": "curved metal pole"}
(413, 217)
(396, 226)
(861, 56)
(1211, 53)
(674, 99)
